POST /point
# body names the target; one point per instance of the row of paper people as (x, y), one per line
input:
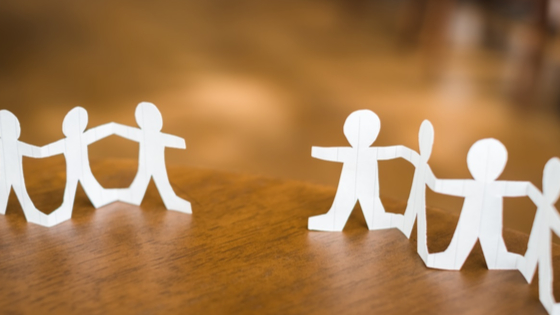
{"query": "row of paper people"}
(481, 215)
(74, 147)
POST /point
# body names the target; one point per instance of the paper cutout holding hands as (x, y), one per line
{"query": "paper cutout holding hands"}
(75, 150)
(359, 180)
(151, 158)
(11, 154)
(539, 249)
(416, 206)
(481, 216)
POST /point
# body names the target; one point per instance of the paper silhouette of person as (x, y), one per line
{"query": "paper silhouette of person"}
(416, 206)
(11, 169)
(481, 216)
(359, 180)
(151, 162)
(539, 249)
(75, 150)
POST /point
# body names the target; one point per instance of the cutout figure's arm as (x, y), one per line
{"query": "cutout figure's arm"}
(451, 187)
(99, 132)
(29, 150)
(334, 154)
(172, 141)
(535, 195)
(42, 152)
(516, 189)
(396, 151)
(127, 132)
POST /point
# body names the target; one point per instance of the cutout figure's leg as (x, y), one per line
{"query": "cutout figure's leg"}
(546, 284)
(422, 234)
(64, 212)
(408, 219)
(375, 215)
(416, 201)
(4, 194)
(456, 254)
(32, 214)
(496, 254)
(335, 219)
(527, 264)
(170, 199)
(97, 194)
(135, 193)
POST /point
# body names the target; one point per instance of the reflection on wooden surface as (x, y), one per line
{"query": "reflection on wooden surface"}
(252, 86)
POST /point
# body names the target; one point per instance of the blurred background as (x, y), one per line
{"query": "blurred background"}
(252, 85)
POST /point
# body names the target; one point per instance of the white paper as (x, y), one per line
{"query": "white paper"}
(11, 152)
(359, 180)
(481, 216)
(416, 206)
(151, 163)
(75, 150)
(539, 249)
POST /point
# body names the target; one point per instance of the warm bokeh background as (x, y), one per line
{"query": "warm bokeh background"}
(252, 85)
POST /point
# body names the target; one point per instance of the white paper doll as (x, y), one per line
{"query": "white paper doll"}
(416, 206)
(359, 178)
(481, 216)
(11, 170)
(75, 150)
(540, 242)
(151, 158)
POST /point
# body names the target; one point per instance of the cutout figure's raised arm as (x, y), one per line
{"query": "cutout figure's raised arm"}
(334, 154)
(396, 151)
(172, 141)
(99, 132)
(127, 132)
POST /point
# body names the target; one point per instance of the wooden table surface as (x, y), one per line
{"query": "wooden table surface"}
(246, 249)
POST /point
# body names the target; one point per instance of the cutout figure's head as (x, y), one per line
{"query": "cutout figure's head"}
(9, 125)
(75, 122)
(426, 139)
(361, 128)
(551, 180)
(148, 117)
(487, 159)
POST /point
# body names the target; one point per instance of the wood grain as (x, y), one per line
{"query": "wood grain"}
(246, 249)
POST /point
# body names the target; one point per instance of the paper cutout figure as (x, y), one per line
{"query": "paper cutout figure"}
(416, 206)
(11, 155)
(481, 216)
(359, 180)
(151, 158)
(540, 242)
(75, 150)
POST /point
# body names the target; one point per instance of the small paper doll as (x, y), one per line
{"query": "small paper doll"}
(75, 150)
(481, 216)
(539, 249)
(416, 206)
(11, 170)
(359, 179)
(151, 162)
